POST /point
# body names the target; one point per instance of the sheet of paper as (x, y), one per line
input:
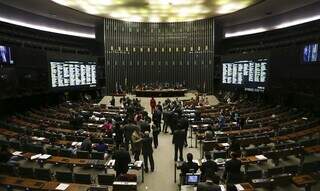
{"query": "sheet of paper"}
(35, 156)
(138, 163)
(261, 157)
(223, 188)
(44, 156)
(17, 153)
(62, 186)
(239, 187)
(225, 144)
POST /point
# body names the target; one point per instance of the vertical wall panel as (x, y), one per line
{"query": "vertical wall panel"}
(159, 52)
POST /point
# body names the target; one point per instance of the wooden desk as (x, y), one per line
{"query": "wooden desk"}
(296, 135)
(22, 182)
(39, 184)
(313, 149)
(246, 186)
(304, 181)
(8, 134)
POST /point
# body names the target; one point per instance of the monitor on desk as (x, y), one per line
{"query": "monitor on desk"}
(192, 179)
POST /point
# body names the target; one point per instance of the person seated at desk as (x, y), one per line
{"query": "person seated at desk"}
(232, 173)
(101, 146)
(209, 168)
(189, 166)
(210, 184)
(122, 160)
(86, 145)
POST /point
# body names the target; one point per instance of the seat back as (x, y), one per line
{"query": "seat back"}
(42, 174)
(97, 155)
(66, 153)
(26, 172)
(64, 177)
(53, 151)
(82, 178)
(106, 179)
(83, 154)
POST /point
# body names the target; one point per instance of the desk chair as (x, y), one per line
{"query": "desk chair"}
(97, 155)
(26, 172)
(219, 154)
(253, 174)
(292, 169)
(310, 167)
(70, 138)
(83, 154)
(82, 178)
(274, 171)
(54, 151)
(106, 179)
(15, 145)
(7, 169)
(66, 153)
(42, 174)
(37, 149)
(65, 177)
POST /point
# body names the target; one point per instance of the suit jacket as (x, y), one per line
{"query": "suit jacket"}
(122, 158)
(208, 167)
(179, 137)
(208, 186)
(232, 171)
(187, 167)
(147, 146)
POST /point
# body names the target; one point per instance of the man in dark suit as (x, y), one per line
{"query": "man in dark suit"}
(147, 152)
(122, 160)
(183, 123)
(178, 141)
(189, 166)
(208, 168)
(209, 184)
(232, 173)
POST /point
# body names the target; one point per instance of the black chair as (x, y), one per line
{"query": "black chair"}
(106, 179)
(108, 141)
(15, 145)
(310, 167)
(66, 153)
(83, 154)
(26, 172)
(7, 169)
(42, 174)
(53, 151)
(292, 169)
(37, 149)
(274, 171)
(97, 155)
(82, 178)
(219, 154)
(70, 138)
(64, 177)
(253, 174)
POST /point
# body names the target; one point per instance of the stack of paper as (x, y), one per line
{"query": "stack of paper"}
(17, 153)
(62, 186)
(44, 156)
(35, 156)
(138, 163)
(111, 162)
(225, 144)
(261, 157)
(223, 188)
(239, 187)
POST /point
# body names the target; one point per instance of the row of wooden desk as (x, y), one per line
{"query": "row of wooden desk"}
(34, 184)
(298, 134)
(244, 160)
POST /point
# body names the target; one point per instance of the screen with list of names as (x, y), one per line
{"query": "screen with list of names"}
(251, 74)
(73, 73)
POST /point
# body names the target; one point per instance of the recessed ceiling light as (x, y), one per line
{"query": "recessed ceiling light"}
(157, 10)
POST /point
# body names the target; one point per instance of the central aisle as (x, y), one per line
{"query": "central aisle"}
(162, 179)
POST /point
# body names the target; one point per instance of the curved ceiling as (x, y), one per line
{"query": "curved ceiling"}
(157, 10)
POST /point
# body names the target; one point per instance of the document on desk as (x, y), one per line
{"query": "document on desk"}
(44, 156)
(225, 144)
(261, 157)
(17, 153)
(35, 156)
(196, 161)
(223, 188)
(239, 187)
(62, 186)
(138, 163)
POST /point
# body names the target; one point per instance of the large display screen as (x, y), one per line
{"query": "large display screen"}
(250, 74)
(311, 53)
(5, 55)
(73, 73)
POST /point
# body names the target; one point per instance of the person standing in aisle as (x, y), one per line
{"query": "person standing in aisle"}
(147, 152)
(153, 104)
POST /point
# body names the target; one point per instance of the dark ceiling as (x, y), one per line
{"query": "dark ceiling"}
(261, 10)
(267, 8)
